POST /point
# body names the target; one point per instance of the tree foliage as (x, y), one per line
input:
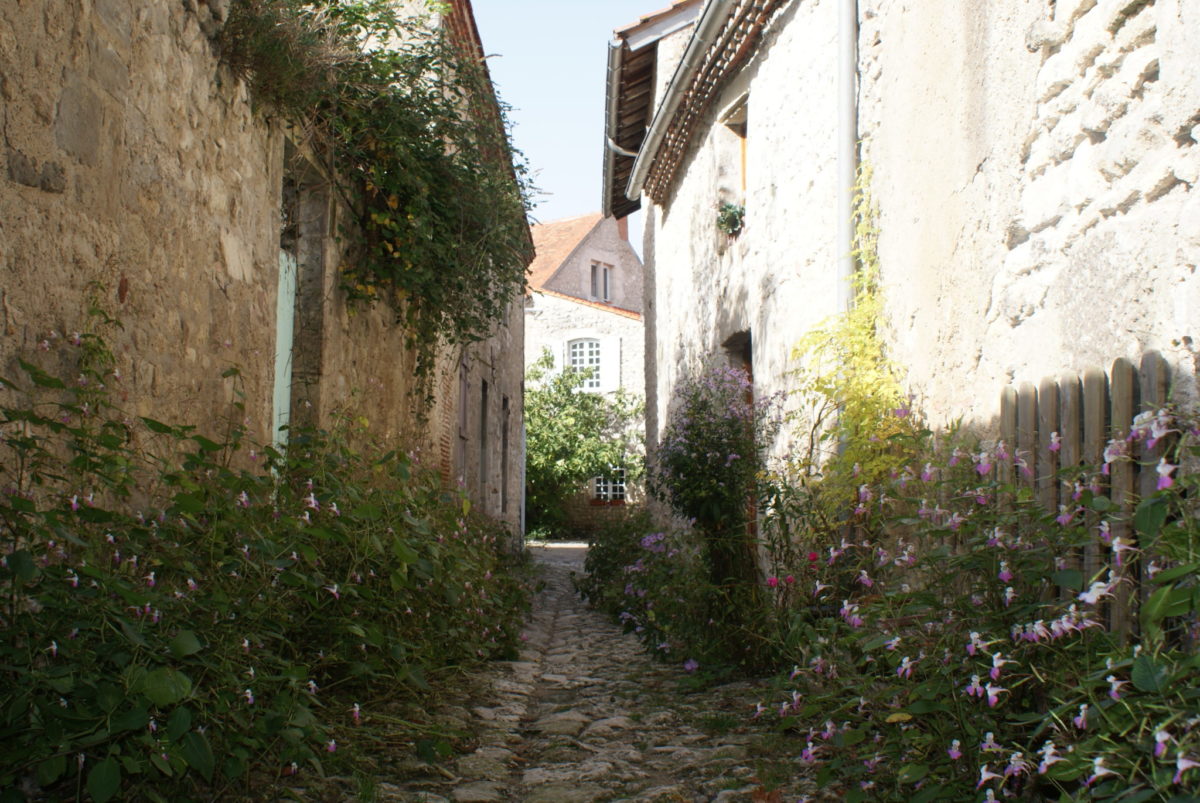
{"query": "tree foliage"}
(416, 143)
(572, 436)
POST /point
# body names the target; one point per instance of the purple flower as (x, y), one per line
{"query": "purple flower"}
(691, 665)
(1165, 470)
(953, 751)
(1161, 738)
(1182, 765)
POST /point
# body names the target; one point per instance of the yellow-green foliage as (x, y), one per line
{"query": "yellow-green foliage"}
(853, 405)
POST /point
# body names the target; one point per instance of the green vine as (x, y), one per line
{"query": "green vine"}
(417, 146)
(854, 400)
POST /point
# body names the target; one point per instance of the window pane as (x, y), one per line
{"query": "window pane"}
(586, 354)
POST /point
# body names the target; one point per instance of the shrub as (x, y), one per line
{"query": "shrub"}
(185, 616)
(572, 436)
(951, 639)
(707, 469)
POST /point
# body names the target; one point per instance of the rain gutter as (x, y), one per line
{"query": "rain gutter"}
(709, 25)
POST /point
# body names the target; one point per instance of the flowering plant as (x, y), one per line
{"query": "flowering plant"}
(181, 616)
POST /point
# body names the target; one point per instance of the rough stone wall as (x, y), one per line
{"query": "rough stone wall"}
(776, 279)
(135, 171)
(131, 169)
(1035, 167)
(493, 475)
(604, 244)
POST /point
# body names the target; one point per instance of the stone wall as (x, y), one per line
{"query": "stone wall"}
(776, 279)
(1035, 167)
(137, 174)
(551, 322)
(605, 245)
(131, 173)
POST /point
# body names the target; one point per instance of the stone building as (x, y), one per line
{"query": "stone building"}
(138, 175)
(1034, 167)
(584, 307)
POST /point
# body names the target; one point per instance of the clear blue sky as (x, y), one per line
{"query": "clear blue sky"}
(548, 60)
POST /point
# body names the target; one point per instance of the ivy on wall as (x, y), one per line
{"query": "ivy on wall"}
(853, 403)
(418, 148)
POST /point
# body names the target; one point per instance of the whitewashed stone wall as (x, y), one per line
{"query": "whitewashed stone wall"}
(1035, 166)
(777, 279)
(552, 322)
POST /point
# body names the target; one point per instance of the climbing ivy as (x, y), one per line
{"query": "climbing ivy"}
(417, 146)
(854, 402)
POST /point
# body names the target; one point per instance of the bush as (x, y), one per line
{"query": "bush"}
(185, 616)
(573, 435)
(949, 638)
(707, 469)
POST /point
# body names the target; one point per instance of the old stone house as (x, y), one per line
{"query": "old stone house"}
(1034, 166)
(140, 175)
(584, 307)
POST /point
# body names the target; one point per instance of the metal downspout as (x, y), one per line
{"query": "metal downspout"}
(847, 166)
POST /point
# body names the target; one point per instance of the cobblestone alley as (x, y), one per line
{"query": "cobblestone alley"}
(586, 715)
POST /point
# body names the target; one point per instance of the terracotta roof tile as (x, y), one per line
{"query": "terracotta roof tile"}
(553, 243)
(653, 16)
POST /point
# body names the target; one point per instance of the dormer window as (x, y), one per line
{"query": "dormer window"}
(601, 282)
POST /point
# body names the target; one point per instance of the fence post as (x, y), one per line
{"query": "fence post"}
(1027, 405)
(1122, 483)
(1070, 430)
(1095, 433)
(1008, 434)
(1047, 462)
(1155, 379)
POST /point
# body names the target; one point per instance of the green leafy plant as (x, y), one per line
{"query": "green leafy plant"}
(184, 616)
(730, 218)
(707, 469)
(406, 118)
(572, 436)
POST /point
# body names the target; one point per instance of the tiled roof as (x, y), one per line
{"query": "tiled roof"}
(624, 313)
(632, 64)
(733, 44)
(554, 242)
(653, 16)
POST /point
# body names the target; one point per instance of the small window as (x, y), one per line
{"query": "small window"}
(610, 488)
(736, 118)
(601, 281)
(584, 354)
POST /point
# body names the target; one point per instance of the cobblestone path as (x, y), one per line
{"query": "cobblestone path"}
(585, 715)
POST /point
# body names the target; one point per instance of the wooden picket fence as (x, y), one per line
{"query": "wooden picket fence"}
(1086, 411)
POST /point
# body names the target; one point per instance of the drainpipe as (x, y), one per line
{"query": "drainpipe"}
(707, 27)
(847, 156)
(611, 91)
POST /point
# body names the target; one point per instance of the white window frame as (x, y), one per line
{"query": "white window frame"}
(611, 487)
(583, 353)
